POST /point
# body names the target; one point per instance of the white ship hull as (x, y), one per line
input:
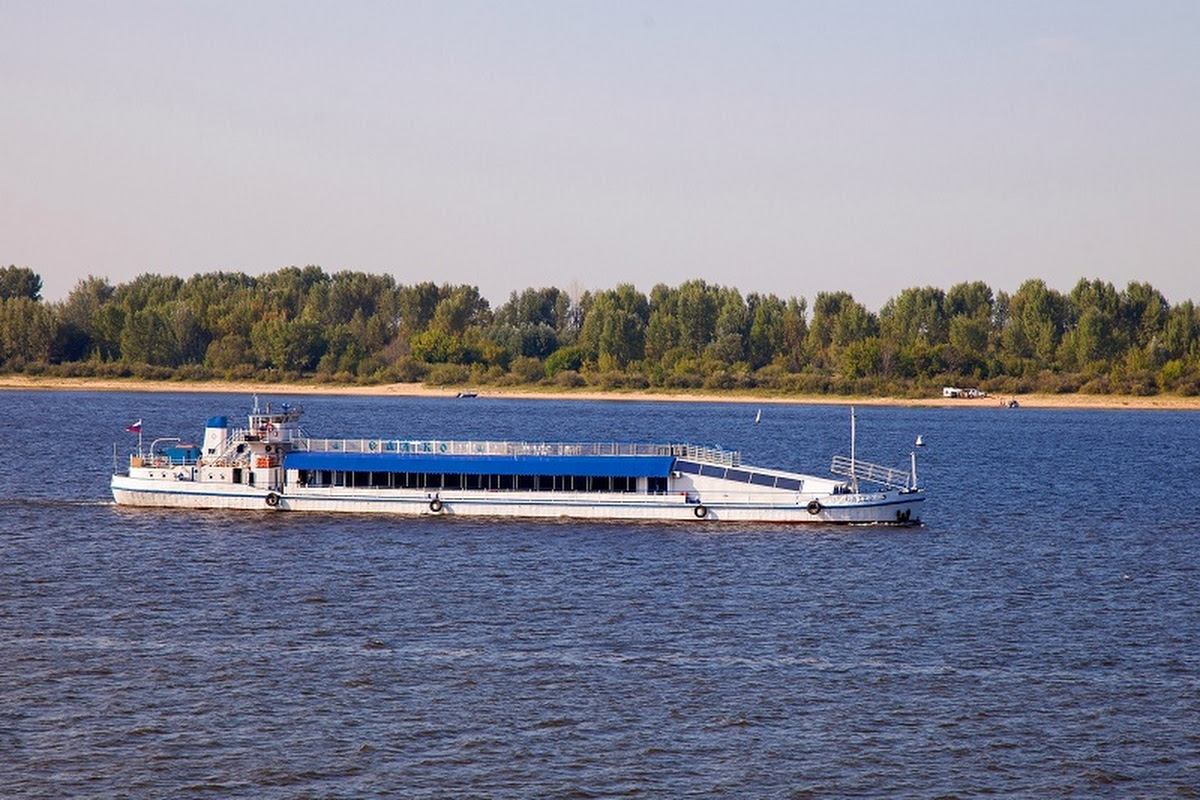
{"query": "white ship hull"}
(873, 508)
(273, 466)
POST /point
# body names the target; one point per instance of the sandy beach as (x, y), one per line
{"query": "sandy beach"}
(21, 382)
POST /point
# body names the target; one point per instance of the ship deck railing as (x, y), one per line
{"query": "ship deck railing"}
(871, 473)
(709, 455)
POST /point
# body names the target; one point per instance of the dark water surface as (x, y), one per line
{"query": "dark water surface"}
(1039, 636)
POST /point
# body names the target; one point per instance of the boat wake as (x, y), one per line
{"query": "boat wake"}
(50, 502)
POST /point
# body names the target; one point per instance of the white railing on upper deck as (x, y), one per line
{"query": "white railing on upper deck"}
(239, 436)
(709, 455)
(712, 455)
(872, 473)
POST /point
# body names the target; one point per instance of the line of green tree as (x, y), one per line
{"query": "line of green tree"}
(356, 327)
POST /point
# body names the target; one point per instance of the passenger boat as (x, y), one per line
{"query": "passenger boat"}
(273, 464)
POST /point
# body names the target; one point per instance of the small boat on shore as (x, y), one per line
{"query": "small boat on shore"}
(272, 464)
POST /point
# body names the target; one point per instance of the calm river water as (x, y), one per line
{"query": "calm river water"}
(1039, 636)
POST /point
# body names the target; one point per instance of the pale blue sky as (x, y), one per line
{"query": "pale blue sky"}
(786, 147)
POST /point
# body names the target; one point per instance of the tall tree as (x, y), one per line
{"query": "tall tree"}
(614, 329)
(838, 320)
(915, 316)
(1037, 319)
(766, 329)
(417, 305)
(696, 315)
(1143, 313)
(20, 282)
(27, 329)
(732, 328)
(459, 308)
(970, 299)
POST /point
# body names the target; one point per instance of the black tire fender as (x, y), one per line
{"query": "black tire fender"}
(435, 505)
(700, 511)
(814, 507)
(272, 499)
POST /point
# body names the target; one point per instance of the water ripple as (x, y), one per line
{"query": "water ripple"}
(1035, 639)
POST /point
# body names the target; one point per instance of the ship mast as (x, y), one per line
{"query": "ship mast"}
(853, 471)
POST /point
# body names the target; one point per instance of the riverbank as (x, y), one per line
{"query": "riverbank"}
(21, 382)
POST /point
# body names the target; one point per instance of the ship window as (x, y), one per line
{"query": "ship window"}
(738, 475)
(624, 484)
(759, 479)
(687, 466)
(791, 484)
(711, 471)
(451, 481)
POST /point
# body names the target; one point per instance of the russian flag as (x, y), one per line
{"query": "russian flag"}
(135, 427)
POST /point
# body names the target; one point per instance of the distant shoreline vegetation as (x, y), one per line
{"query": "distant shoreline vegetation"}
(304, 325)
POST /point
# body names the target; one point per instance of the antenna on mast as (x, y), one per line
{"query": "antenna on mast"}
(853, 471)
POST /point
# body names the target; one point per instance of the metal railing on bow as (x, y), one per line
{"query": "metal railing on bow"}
(871, 473)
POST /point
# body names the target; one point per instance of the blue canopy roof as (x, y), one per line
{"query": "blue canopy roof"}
(592, 466)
